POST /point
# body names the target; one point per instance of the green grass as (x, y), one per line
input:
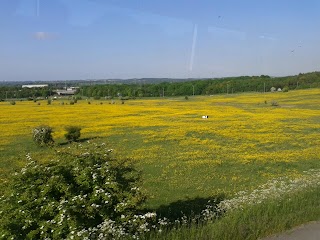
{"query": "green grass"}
(255, 222)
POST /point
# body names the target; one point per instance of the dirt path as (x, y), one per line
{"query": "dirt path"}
(310, 231)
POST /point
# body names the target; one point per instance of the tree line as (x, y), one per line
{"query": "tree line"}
(227, 85)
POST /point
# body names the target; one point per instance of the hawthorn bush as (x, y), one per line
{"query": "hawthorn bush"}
(84, 193)
(42, 135)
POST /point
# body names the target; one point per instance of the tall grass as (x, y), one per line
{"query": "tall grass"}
(254, 221)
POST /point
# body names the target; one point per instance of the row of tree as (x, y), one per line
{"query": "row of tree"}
(228, 85)
(204, 87)
(16, 92)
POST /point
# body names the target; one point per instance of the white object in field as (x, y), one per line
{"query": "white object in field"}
(204, 117)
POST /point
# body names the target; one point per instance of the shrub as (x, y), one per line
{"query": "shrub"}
(274, 103)
(72, 102)
(62, 103)
(12, 102)
(186, 97)
(42, 135)
(49, 101)
(285, 89)
(73, 133)
(82, 194)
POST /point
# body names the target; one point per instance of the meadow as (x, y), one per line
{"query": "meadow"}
(243, 144)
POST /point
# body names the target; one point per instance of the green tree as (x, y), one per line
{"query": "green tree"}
(73, 133)
(82, 193)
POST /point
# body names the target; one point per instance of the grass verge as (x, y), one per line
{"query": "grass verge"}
(257, 221)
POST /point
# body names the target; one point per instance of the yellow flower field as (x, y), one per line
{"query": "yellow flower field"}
(244, 142)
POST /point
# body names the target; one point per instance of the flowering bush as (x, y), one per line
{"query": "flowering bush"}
(73, 133)
(83, 193)
(42, 135)
(273, 189)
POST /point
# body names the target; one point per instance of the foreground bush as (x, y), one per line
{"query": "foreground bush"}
(73, 133)
(42, 135)
(82, 194)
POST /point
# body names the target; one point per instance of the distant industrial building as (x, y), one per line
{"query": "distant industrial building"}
(67, 91)
(35, 86)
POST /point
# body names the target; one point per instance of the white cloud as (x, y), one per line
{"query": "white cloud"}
(44, 35)
(267, 38)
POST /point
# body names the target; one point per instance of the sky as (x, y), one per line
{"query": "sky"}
(107, 39)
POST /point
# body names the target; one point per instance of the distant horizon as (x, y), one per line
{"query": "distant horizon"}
(124, 79)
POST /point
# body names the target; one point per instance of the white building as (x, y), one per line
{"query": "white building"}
(35, 86)
(68, 91)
